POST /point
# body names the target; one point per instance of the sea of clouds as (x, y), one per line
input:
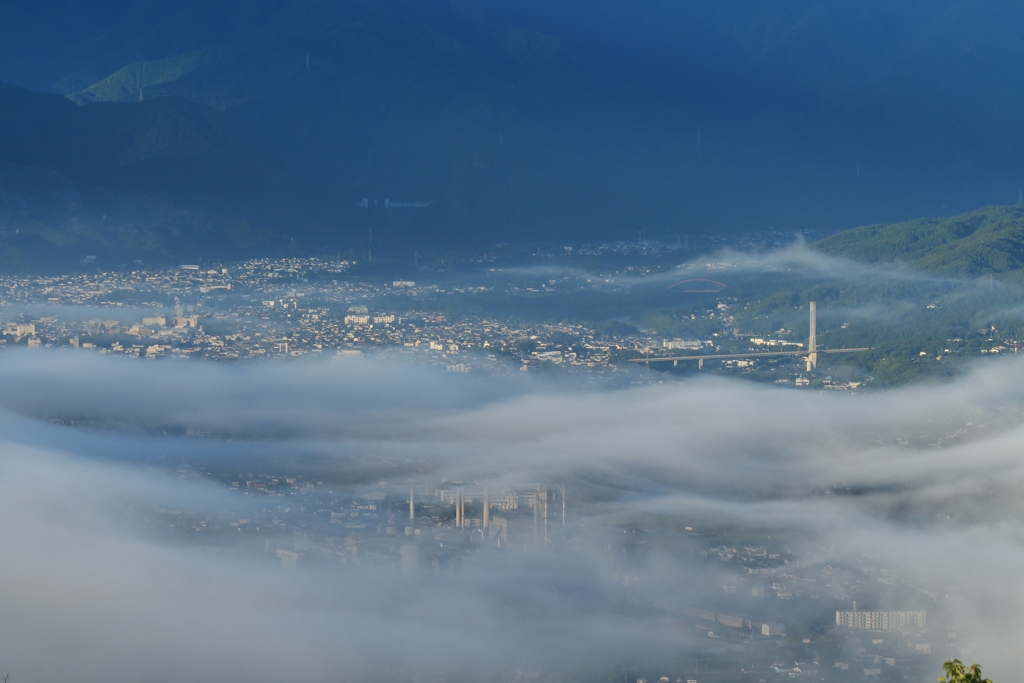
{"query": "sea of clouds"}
(90, 594)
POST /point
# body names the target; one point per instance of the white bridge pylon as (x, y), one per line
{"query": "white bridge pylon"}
(811, 352)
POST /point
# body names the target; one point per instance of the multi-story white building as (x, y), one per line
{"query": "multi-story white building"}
(880, 621)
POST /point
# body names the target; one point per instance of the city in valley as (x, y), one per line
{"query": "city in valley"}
(292, 308)
(532, 341)
(730, 598)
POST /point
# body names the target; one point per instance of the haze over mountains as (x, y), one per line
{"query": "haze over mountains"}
(262, 123)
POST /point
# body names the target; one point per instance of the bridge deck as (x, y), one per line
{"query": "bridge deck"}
(756, 354)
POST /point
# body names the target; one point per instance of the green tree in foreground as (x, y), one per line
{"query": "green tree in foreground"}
(957, 672)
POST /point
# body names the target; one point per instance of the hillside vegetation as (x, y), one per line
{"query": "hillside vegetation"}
(989, 240)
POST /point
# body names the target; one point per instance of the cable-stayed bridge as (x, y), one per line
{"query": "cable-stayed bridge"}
(811, 352)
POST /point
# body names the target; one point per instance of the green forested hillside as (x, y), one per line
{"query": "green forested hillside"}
(989, 240)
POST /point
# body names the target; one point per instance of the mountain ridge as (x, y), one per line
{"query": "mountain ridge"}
(986, 241)
(544, 123)
(83, 178)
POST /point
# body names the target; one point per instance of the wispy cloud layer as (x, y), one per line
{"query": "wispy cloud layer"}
(92, 593)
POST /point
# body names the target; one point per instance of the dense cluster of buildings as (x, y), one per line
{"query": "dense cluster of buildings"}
(287, 308)
(880, 621)
(297, 307)
(264, 308)
(765, 592)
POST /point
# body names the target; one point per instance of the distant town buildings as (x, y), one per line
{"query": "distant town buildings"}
(289, 307)
(880, 621)
(684, 344)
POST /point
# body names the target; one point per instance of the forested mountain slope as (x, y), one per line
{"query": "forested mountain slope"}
(989, 240)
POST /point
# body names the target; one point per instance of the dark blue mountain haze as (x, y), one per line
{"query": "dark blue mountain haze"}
(537, 122)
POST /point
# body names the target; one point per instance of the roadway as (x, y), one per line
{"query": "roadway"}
(761, 354)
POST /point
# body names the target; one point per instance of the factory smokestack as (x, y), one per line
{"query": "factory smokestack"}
(536, 517)
(487, 509)
(460, 508)
(812, 342)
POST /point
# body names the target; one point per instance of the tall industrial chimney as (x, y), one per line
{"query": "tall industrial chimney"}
(487, 510)
(812, 343)
(544, 499)
(461, 509)
(536, 517)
